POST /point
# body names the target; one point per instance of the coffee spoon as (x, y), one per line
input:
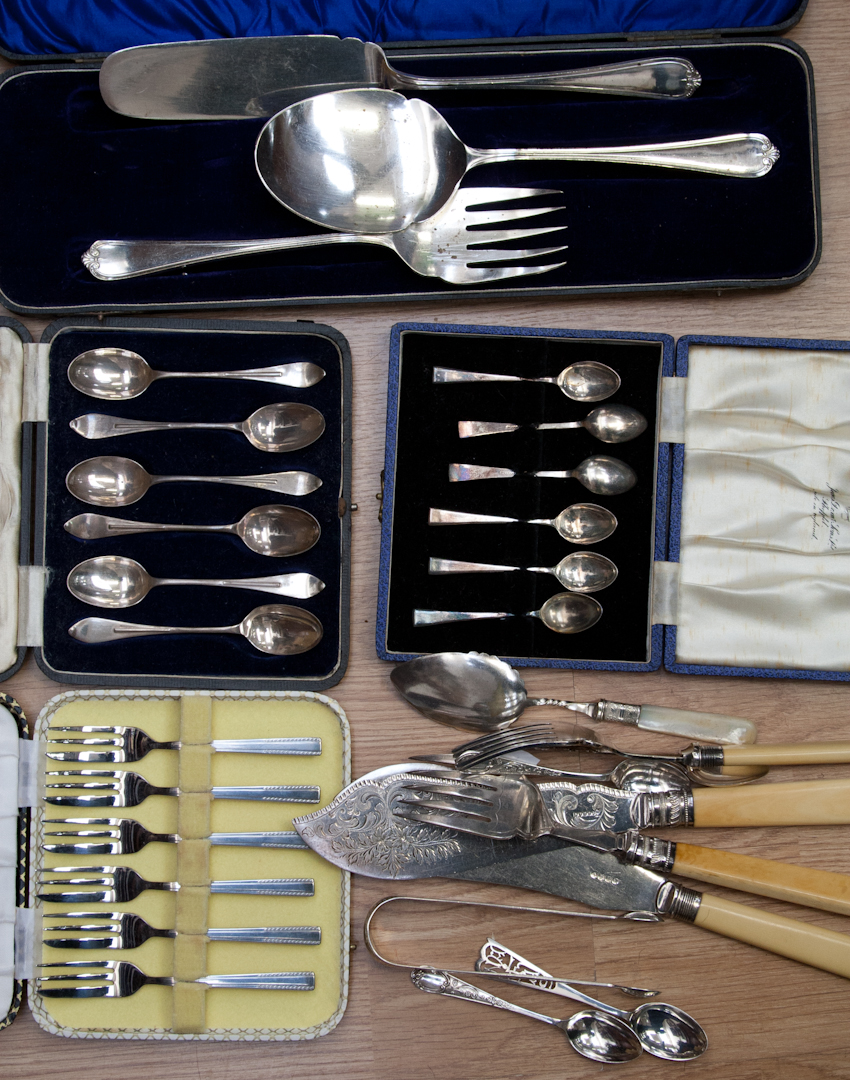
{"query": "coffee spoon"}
(276, 531)
(114, 581)
(585, 380)
(600, 474)
(120, 481)
(276, 629)
(581, 523)
(608, 423)
(580, 572)
(118, 374)
(367, 160)
(278, 428)
(565, 613)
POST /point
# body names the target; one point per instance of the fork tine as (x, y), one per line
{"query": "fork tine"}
(501, 273)
(484, 743)
(493, 235)
(116, 730)
(443, 819)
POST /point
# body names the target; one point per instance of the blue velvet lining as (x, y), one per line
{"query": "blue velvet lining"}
(36, 27)
(84, 173)
(228, 660)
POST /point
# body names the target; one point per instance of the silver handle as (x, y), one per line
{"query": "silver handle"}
(460, 566)
(278, 980)
(269, 935)
(284, 483)
(290, 840)
(268, 887)
(459, 517)
(299, 793)
(307, 747)
(296, 585)
(446, 985)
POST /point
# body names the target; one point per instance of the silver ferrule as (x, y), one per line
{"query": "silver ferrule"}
(704, 757)
(617, 712)
(678, 902)
(660, 809)
(650, 851)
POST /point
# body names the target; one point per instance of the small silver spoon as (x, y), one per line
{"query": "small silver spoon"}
(581, 523)
(276, 629)
(580, 572)
(600, 474)
(120, 481)
(608, 423)
(118, 374)
(565, 613)
(585, 380)
(590, 1032)
(276, 531)
(277, 428)
(114, 581)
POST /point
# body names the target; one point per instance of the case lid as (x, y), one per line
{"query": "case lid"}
(14, 824)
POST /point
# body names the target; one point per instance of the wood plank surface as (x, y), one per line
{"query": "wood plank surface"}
(765, 1016)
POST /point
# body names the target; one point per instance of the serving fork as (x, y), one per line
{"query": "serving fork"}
(119, 978)
(124, 836)
(122, 884)
(125, 930)
(130, 789)
(128, 744)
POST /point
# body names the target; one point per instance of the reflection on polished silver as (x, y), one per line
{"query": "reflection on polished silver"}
(585, 380)
(277, 428)
(663, 1030)
(120, 481)
(581, 572)
(581, 523)
(600, 474)
(608, 423)
(679, 902)
(122, 744)
(232, 78)
(119, 979)
(104, 788)
(276, 629)
(276, 531)
(124, 836)
(565, 613)
(372, 161)
(440, 247)
(118, 375)
(591, 1034)
(114, 581)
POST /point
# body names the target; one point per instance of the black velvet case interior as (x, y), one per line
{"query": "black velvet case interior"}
(83, 173)
(423, 440)
(219, 659)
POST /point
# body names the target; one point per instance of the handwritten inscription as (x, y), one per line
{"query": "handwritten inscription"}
(828, 514)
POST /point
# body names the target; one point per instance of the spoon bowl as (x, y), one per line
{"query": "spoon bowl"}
(602, 1038)
(667, 1032)
(614, 423)
(119, 375)
(605, 475)
(583, 572)
(588, 380)
(569, 613)
(584, 523)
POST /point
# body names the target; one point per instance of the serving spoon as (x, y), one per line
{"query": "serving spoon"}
(120, 481)
(581, 523)
(565, 613)
(278, 428)
(276, 629)
(277, 531)
(114, 581)
(375, 161)
(118, 374)
(580, 572)
(608, 423)
(600, 474)
(585, 380)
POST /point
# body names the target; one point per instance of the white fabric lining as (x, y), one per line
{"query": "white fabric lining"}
(11, 378)
(9, 749)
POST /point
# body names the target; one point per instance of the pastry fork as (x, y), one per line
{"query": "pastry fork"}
(121, 885)
(125, 744)
(124, 930)
(124, 836)
(130, 789)
(118, 978)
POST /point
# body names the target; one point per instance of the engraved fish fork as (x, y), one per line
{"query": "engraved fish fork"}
(125, 930)
(122, 884)
(130, 789)
(443, 246)
(118, 978)
(124, 836)
(127, 744)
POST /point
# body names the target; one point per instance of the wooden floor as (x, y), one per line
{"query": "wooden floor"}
(766, 1017)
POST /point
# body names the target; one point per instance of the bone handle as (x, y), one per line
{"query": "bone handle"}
(805, 802)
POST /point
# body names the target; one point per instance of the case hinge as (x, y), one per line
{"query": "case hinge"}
(665, 593)
(31, 581)
(672, 427)
(36, 377)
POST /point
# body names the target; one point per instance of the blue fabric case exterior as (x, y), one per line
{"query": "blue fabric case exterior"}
(36, 27)
(213, 660)
(628, 227)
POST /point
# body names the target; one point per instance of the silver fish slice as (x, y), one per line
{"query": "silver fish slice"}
(127, 744)
(124, 836)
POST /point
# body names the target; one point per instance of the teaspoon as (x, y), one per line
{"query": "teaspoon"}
(118, 375)
(581, 523)
(591, 1033)
(114, 581)
(580, 572)
(600, 474)
(276, 531)
(120, 481)
(367, 160)
(585, 380)
(565, 613)
(278, 428)
(608, 423)
(276, 629)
